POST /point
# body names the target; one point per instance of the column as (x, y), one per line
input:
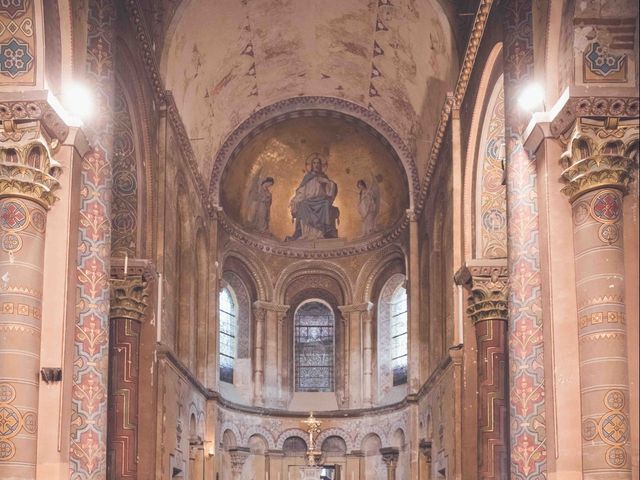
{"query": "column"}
(274, 315)
(28, 177)
(487, 281)
(129, 298)
(425, 451)
(528, 432)
(259, 315)
(367, 357)
(390, 458)
(597, 174)
(355, 355)
(414, 304)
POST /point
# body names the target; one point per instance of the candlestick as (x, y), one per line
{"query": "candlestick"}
(126, 263)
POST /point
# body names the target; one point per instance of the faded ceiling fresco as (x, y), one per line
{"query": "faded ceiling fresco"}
(225, 62)
(285, 151)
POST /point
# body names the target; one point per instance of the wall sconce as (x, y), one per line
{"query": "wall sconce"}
(51, 375)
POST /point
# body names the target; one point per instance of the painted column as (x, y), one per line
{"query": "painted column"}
(597, 174)
(129, 297)
(28, 177)
(526, 340)
(258, 373)
(88, 422)
(487, 281)
(390, 458)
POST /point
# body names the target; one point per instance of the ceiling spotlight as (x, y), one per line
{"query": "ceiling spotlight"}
(79, 100)
(532, 97)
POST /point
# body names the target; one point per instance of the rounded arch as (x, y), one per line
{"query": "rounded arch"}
(291, 432)
(370, 443)
(310, 106)
(493, 63)
(230, 431)
(336, 432)
(266, 435)
(257, 444)
(373, 269)
(260, 278)
(307, 267)
(373, 429)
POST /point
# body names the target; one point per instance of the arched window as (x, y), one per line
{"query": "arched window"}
(228, 328)
(314, 347)
(398, 306)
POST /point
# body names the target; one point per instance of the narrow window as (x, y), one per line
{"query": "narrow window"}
(314, 347)
(228, 326)
(399, 336)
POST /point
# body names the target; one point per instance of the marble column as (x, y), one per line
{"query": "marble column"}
(356, 357)
(259, 315)
(367, 357)
(598, 170)
(28, 177)
(487, 281)
(390, 457)
(414, 303)
(129, 298)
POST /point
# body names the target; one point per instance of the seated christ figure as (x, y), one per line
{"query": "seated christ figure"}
(312, 209)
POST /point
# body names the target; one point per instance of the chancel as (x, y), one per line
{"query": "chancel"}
(319, 240)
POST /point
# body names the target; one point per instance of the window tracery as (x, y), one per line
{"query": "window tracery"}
(228, 327)
(314, 330)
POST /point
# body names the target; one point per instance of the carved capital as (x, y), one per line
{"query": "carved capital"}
(390, 457)
(129, 298)
(27, 166)
(601, 152)
(238, 456)
(487, 282)
(425, 449)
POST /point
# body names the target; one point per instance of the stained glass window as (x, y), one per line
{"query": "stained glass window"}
(399, 336)
(314, 347)
(228, 326)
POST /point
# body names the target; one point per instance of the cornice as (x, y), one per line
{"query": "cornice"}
(289, 249)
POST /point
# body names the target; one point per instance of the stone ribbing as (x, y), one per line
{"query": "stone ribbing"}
(597, 174)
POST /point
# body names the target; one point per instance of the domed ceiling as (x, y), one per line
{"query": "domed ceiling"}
(225, 60)
(332, 174)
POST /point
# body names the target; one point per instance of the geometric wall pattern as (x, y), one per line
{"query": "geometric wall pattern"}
(17, 42)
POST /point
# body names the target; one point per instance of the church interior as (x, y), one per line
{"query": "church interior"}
(319, 240)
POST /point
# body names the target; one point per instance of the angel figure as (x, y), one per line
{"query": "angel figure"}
(260, 204)
(368, 204)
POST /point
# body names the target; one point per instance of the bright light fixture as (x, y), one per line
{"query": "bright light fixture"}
(79, 100)
(532, 97)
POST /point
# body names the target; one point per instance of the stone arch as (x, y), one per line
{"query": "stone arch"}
(370, 437)
(306, 267)
(372, 269)
(229, 427)
(266, 435)
(336, 432)
(372, 429)
(309, 106)
(487, 83)
(257, 444)
(291, 432)
(259, 276)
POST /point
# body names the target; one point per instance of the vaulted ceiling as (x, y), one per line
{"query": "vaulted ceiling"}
(226, 59)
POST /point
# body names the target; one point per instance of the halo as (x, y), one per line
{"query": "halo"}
(313, 156)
